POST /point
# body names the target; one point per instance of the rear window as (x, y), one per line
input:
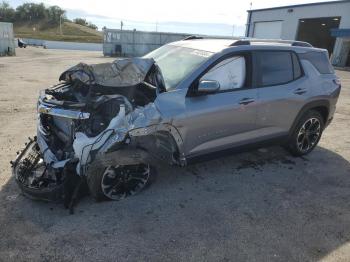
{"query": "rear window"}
(319, 60)
(274, 68)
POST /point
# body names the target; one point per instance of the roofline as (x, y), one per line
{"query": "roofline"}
(300, 5)
(140, 31)
(6, 23)
(164, 32)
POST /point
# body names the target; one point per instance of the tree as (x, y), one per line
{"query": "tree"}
(80, 21)
(7, 13)
(55, 13)
(93, 26)
(31, 12)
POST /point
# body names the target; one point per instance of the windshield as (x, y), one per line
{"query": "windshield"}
(177, 62)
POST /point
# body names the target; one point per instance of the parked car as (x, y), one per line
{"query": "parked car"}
(110, 124)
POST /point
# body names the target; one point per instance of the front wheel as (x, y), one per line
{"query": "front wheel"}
(307, 134)
(119, 182)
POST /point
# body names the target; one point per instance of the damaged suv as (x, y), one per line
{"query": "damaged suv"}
(108, 125)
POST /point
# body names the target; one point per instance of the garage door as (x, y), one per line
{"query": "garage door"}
(268, 30)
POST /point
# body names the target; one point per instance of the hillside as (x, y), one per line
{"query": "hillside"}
(70, 32)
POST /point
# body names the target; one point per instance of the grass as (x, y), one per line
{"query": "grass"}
(70, 32)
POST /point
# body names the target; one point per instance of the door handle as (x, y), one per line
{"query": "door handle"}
(246, 101)
(300, 91)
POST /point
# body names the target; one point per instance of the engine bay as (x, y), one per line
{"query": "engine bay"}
(93, 110)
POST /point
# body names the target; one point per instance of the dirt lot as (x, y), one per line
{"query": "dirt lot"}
(258, 206)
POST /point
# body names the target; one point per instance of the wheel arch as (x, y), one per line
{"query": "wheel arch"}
(162, 140)
(321, 106)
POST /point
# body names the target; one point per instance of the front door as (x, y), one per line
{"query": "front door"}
(225, 118)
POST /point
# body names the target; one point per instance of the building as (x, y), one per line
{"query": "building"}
(135, 43)
(7, 41)
(325, 25)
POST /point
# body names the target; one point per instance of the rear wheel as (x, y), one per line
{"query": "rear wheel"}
(307, 134)
(119, 182)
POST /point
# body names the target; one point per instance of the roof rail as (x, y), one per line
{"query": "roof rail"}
(240, 42)
(248, 41)
(193, 37)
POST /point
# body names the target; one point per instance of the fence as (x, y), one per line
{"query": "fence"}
(135, 43)
(64, 45)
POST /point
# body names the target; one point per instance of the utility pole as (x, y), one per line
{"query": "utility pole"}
(121, 25)
(61, 24)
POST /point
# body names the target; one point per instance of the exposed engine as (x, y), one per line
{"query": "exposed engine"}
(91, 110)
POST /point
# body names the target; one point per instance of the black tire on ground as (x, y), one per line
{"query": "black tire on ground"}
(52, 194)
(94, 178)
(308, 129)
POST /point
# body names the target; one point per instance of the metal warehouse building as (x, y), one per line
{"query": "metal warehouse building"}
(135, 43)
(7, 41)
(325, 25)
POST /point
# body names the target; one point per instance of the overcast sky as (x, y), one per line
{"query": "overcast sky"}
(219, 17)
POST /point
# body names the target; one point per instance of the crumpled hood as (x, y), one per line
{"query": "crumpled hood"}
(121, 72)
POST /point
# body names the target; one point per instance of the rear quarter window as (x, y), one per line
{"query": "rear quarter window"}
(319, 60)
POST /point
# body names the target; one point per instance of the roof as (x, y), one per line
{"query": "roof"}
(217, 45)
(210, 45)
(300, 5)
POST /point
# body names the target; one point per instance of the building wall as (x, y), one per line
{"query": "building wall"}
(290, 20)
(7, 42)
(136, 43)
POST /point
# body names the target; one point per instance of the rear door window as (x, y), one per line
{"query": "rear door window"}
(274, 68)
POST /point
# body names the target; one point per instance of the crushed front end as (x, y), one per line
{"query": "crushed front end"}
(99, 118)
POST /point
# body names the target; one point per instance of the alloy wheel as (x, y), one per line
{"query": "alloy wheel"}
(308, 134)
(119, 182)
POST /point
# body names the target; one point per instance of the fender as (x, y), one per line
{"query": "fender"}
(161, 139)
(313, 104)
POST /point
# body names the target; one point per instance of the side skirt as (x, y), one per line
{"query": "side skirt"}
(280, 140)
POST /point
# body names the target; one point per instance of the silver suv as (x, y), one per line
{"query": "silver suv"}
(108, 125)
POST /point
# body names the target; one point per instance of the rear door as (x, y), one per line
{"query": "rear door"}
(282, 91)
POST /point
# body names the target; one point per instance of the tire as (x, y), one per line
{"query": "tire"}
(53, 194)
(97, 175)
(306, 134)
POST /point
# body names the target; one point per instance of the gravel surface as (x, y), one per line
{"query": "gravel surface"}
(262, 205)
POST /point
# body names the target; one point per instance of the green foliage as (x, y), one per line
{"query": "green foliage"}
(35, 20)
(82, 21)
(7, 13)
(55, 13)
(31, 12)
(92, 26)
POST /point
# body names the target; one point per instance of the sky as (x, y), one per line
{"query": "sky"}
(219, 17)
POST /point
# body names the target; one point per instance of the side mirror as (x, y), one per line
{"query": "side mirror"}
(208, 86)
